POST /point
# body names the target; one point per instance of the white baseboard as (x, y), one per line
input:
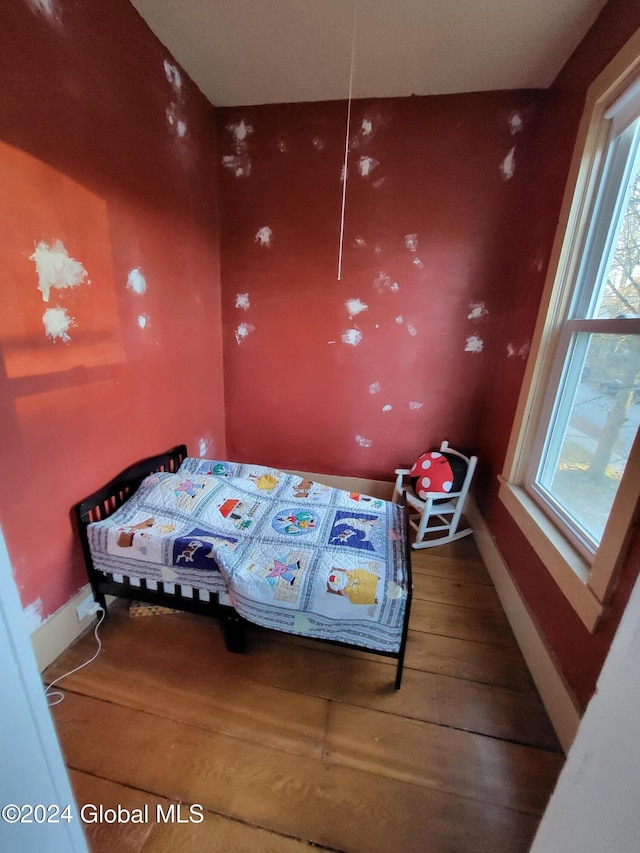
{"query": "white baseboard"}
(546, 674)
(60, 630)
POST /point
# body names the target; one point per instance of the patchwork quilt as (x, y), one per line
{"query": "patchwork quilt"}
(292, 554)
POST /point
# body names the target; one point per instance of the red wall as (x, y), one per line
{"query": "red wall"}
(297, 395)
(579, 653)
(92, 154)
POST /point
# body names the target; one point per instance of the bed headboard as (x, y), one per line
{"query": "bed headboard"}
(109, 498)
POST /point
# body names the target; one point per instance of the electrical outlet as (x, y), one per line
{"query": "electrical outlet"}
(87, 607)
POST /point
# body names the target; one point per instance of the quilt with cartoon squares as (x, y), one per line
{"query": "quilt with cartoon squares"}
(292, 554)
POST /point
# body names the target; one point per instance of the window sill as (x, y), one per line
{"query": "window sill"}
(563, 562)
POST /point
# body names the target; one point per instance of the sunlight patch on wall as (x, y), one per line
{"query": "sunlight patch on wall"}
(55, 268)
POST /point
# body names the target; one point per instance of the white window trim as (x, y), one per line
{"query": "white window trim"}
(586, 586)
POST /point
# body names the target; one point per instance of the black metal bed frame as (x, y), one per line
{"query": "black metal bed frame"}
(105, 501)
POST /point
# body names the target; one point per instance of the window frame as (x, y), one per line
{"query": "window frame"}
(587, 583)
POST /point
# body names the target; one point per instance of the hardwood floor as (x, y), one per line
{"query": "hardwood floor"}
(296, 743)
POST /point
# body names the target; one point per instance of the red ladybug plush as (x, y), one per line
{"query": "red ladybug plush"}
(437, 472)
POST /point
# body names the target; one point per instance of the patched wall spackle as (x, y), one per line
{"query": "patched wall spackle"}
(243, 330)
(412, 330)
(399, 319)
(55, 268)
(383, 282)
(264, 236)
(57, 323)
(474, 344)
(477, 310)
(352, 337)
(387, 408)
(414, 405)
(242, 301)
(355, 307)
(240, 162)
(374, 388)
(362, 441)
(143, 321)
(515, 123)
(521, 351)
(33, 615)
(318, 144)
(173, 76)
(359, 242)
(366, 165)
(508, 165)
(411, 242)
(48, 8)
(136, 282)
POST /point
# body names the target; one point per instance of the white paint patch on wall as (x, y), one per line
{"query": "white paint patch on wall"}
(243, 330)
(57, 323)
(173, 76)
(508, 165)
(242, 301)
(362, 441)
(387, 408)
(477, 310)
(33, 615)
(318, 143)
(474, 344)
(136, 282)
(411, 242)
(55, 268)
(359, 242)
(352, 337)
(418, 263)
(46, 8)
(143, 321)
(355, 307)
(374, 388)
(239, 164)
(384, 282)
(205, 446)
(520, 351)
(366, 128)
(399, 319)
(515, 123)
(366, 165)
(240, 132)
(414, 405)
(412, 330)
(264, 236)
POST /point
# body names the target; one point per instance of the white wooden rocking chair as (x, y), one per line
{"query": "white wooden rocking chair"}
(445, 516)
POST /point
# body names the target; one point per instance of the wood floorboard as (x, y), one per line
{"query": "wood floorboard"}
(298, 742)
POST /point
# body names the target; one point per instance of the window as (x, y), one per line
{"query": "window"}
(572, 474)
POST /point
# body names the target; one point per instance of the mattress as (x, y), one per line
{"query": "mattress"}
(292, 554)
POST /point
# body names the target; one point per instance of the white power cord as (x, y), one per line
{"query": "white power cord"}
(57, 695)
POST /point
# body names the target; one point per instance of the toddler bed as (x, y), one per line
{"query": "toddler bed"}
(245, 542)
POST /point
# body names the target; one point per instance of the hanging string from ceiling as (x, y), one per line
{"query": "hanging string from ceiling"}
(346, 141)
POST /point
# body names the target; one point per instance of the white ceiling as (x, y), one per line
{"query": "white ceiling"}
(242, 52)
